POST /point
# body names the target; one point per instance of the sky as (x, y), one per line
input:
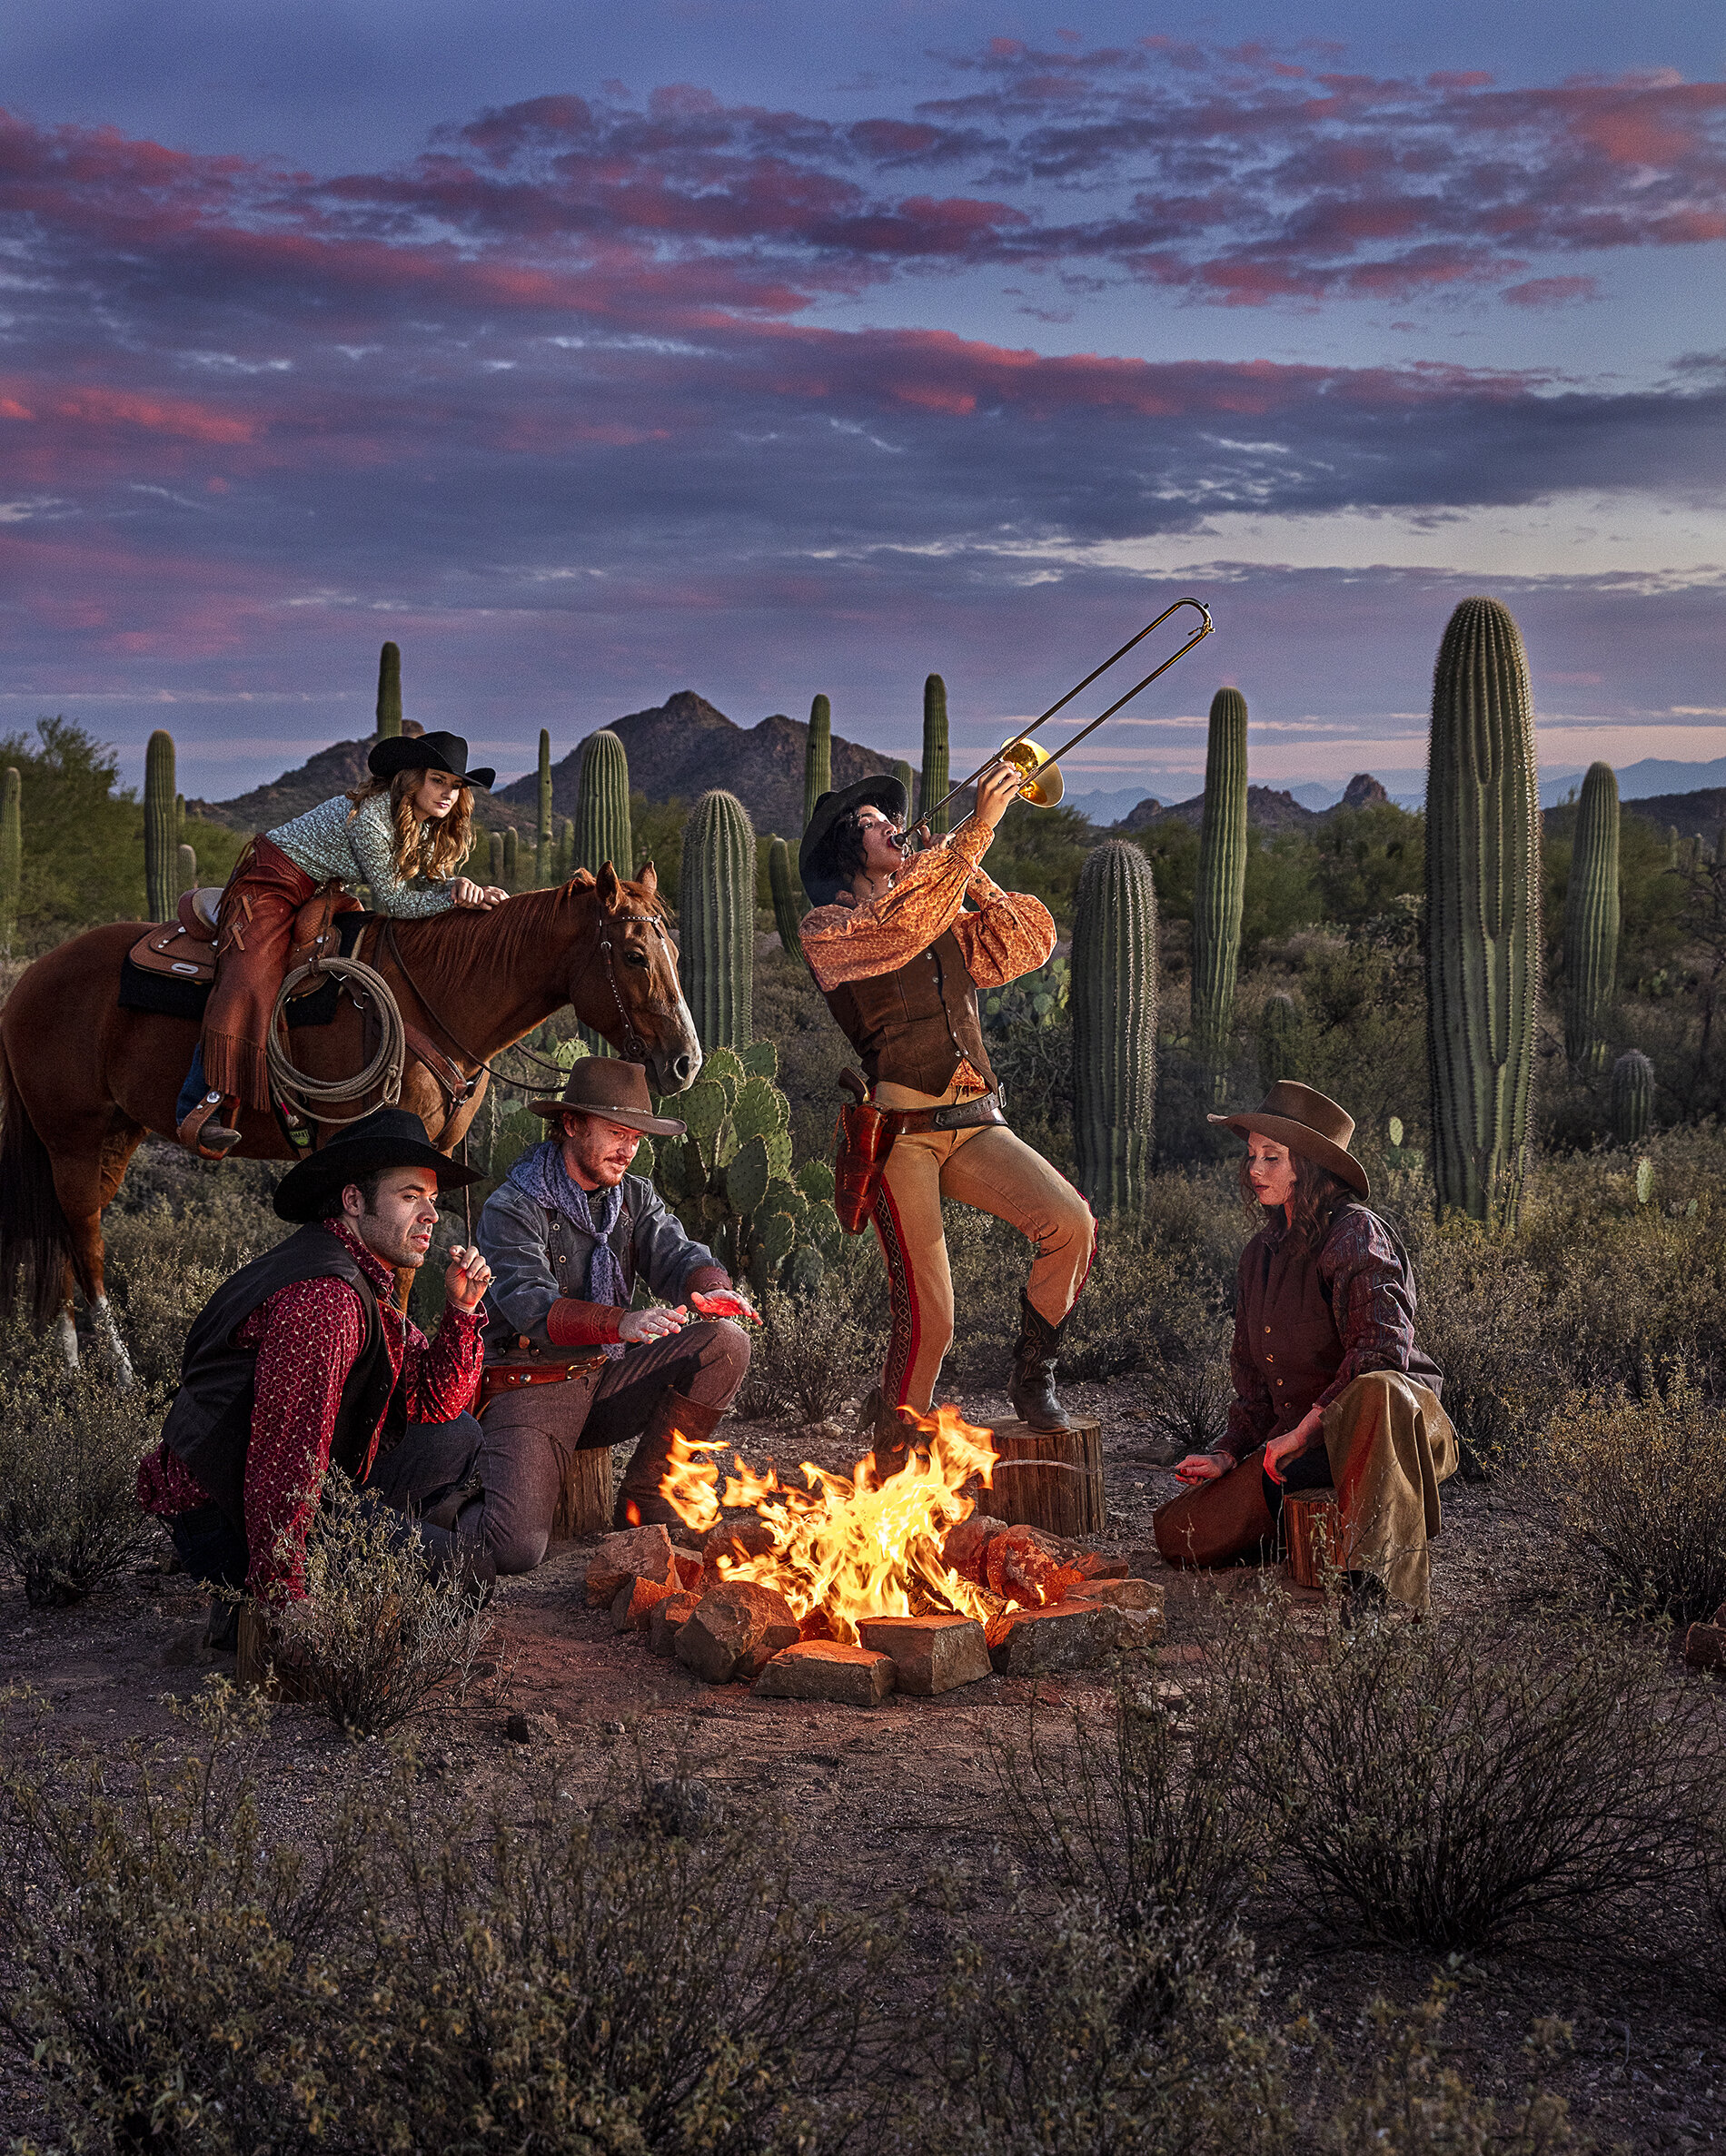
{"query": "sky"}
(593, 353)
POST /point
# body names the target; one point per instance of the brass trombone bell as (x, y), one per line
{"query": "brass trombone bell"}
(1044, 783)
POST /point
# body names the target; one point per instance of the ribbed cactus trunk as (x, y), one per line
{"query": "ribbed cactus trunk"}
(1220, 891)
(788, 905)
(716, 920)
(1633, 1097)
(495, 858)
(1591, 922)
(512, 859)
(1279, 1039)
(907, 778)
(818, 758)
(1483, 913)
(388, 691)
(161, 841)
(563, 850)
(1113, 1000)
(603, 830)
(186, 872)
(542, 827)
(179, 819)
(935, 764)
(11, 853)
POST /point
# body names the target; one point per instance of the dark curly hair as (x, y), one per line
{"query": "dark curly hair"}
(842, 856)
(1317, 1195)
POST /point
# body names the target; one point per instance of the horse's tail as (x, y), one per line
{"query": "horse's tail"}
(34, 1233)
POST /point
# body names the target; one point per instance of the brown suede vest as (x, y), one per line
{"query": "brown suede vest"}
(911, 1027)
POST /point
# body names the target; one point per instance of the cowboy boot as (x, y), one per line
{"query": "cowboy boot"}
(640, 1501)
(203, 1134)
(1032, 1389)
(894, 1432)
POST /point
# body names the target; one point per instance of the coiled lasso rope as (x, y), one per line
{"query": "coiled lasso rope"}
(299, 1091)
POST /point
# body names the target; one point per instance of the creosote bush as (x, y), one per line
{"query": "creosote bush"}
(1642, 1483)
(815, 1352)
(381, 1631)
(69, 1443)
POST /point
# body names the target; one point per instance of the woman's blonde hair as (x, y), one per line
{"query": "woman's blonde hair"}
(433, 850)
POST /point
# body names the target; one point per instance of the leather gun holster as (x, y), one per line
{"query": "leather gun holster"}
(863, 1138)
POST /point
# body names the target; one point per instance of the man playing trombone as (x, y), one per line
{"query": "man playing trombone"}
(901, 960)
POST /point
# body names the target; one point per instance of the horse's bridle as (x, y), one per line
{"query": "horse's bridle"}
(636, 1047)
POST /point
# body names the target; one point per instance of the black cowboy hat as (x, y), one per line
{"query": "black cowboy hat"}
(882, 791)
(615, 1091)
(387, 1138)
(1307, 1122)
(426, 752)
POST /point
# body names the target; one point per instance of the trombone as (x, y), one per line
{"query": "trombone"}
(1044, 785)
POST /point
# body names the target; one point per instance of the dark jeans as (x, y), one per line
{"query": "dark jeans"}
(423, 1473)
(1308, 1470)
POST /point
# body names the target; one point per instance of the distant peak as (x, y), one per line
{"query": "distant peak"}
(1363, 791)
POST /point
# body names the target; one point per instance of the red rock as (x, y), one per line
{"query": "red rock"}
(637, 1553)
(930, 1654)
(665, 1620)
(689, 1568)
(1029, 1566)
(827, 1670)
(966, 1545)
(636, 1598)
(735, 1540)
(1120, 1594)
(734, 1631)
(1047, 1642)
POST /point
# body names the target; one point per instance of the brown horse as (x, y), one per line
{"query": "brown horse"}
(83, 1081)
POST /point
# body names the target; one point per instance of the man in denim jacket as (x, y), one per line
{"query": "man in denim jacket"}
(568, 1236)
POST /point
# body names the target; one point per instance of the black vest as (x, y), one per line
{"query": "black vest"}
(209, 1425)
(912, 1026)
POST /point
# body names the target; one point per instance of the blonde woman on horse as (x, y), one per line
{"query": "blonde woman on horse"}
(404, 832)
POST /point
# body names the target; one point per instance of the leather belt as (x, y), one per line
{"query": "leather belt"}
(956, 1115)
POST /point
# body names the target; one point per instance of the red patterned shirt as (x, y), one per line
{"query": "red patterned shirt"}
(308, 1336)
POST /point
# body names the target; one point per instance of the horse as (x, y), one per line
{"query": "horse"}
(83, 1081)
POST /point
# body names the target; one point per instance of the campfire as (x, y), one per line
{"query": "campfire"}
(849, 1588)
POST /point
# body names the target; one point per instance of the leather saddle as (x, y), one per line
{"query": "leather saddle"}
(185, 949)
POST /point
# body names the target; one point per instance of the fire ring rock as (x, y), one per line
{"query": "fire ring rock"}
(636, 1553)
(930, 1654)
(827, 1670)
(734, 1631)
(665, 1620)
(1047, 1642)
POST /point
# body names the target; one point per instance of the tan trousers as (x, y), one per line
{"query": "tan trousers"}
(986, 1167)
(1390, 1445)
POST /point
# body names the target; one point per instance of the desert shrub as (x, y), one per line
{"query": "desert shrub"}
(1467, 1784)
(1080, 2035)
(380, 1632)
(176, 1979)
(1412, 2105)
(1144, 1812)
(69, 1443)
(812, 1353)
(1481, 1315)
(1642, 1483)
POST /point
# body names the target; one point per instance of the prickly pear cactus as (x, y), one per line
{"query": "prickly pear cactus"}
(603, 830)
(161, 842)
(1220, 890)
(1483, 913)
(788, 903)
(729, 1179)
(935, 764)
(11, 853)
(388, 691)
(1114, 990)
(1033, 1001)
(817, 761)
(1591, 922)
(716, 920)
(1633, 1097)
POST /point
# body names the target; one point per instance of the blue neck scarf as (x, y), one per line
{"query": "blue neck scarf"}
(540, 1175)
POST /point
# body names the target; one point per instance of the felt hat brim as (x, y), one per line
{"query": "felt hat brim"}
(632, 1119)
(881, 790)
(305, 1191)
(1303, 1139)
(427, 752)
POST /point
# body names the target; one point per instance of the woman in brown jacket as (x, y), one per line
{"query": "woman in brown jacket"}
(1329, 1384)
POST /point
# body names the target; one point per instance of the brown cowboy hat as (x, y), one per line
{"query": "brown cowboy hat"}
(1307, 1124)
(616, 1090)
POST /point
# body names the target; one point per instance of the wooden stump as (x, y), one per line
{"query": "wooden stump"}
(1049, 1479)
(1313, 1529)
(585, 1501)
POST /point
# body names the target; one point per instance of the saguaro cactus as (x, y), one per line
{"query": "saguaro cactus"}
(1279, 1040)
(512, 859)
(388, 691)
(602, 831)
(1113, 1000)
(187, 869)
(1483, 912)
(1590, 921)
(495, 858)
(907, 778)
(788, 903)
(1633, 1097)
(817, 759)
(716, 920)
(935, 765)
(1221, 888)
(542, 824)
(11, 853)
(563, 850)
(159, 838)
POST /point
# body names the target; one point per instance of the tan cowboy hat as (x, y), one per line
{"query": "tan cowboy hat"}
(1307, 1124)
(616, 1090)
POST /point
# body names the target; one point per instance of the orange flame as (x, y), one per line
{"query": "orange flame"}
(850, 1550)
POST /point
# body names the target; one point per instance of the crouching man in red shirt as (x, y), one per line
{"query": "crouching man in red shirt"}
(302, 1359)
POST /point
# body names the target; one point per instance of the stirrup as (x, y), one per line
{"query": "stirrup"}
(199, 1128)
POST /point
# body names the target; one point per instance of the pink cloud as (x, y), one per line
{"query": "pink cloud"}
(1551, 291)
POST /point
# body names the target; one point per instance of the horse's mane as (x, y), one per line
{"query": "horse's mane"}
(497, 939)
